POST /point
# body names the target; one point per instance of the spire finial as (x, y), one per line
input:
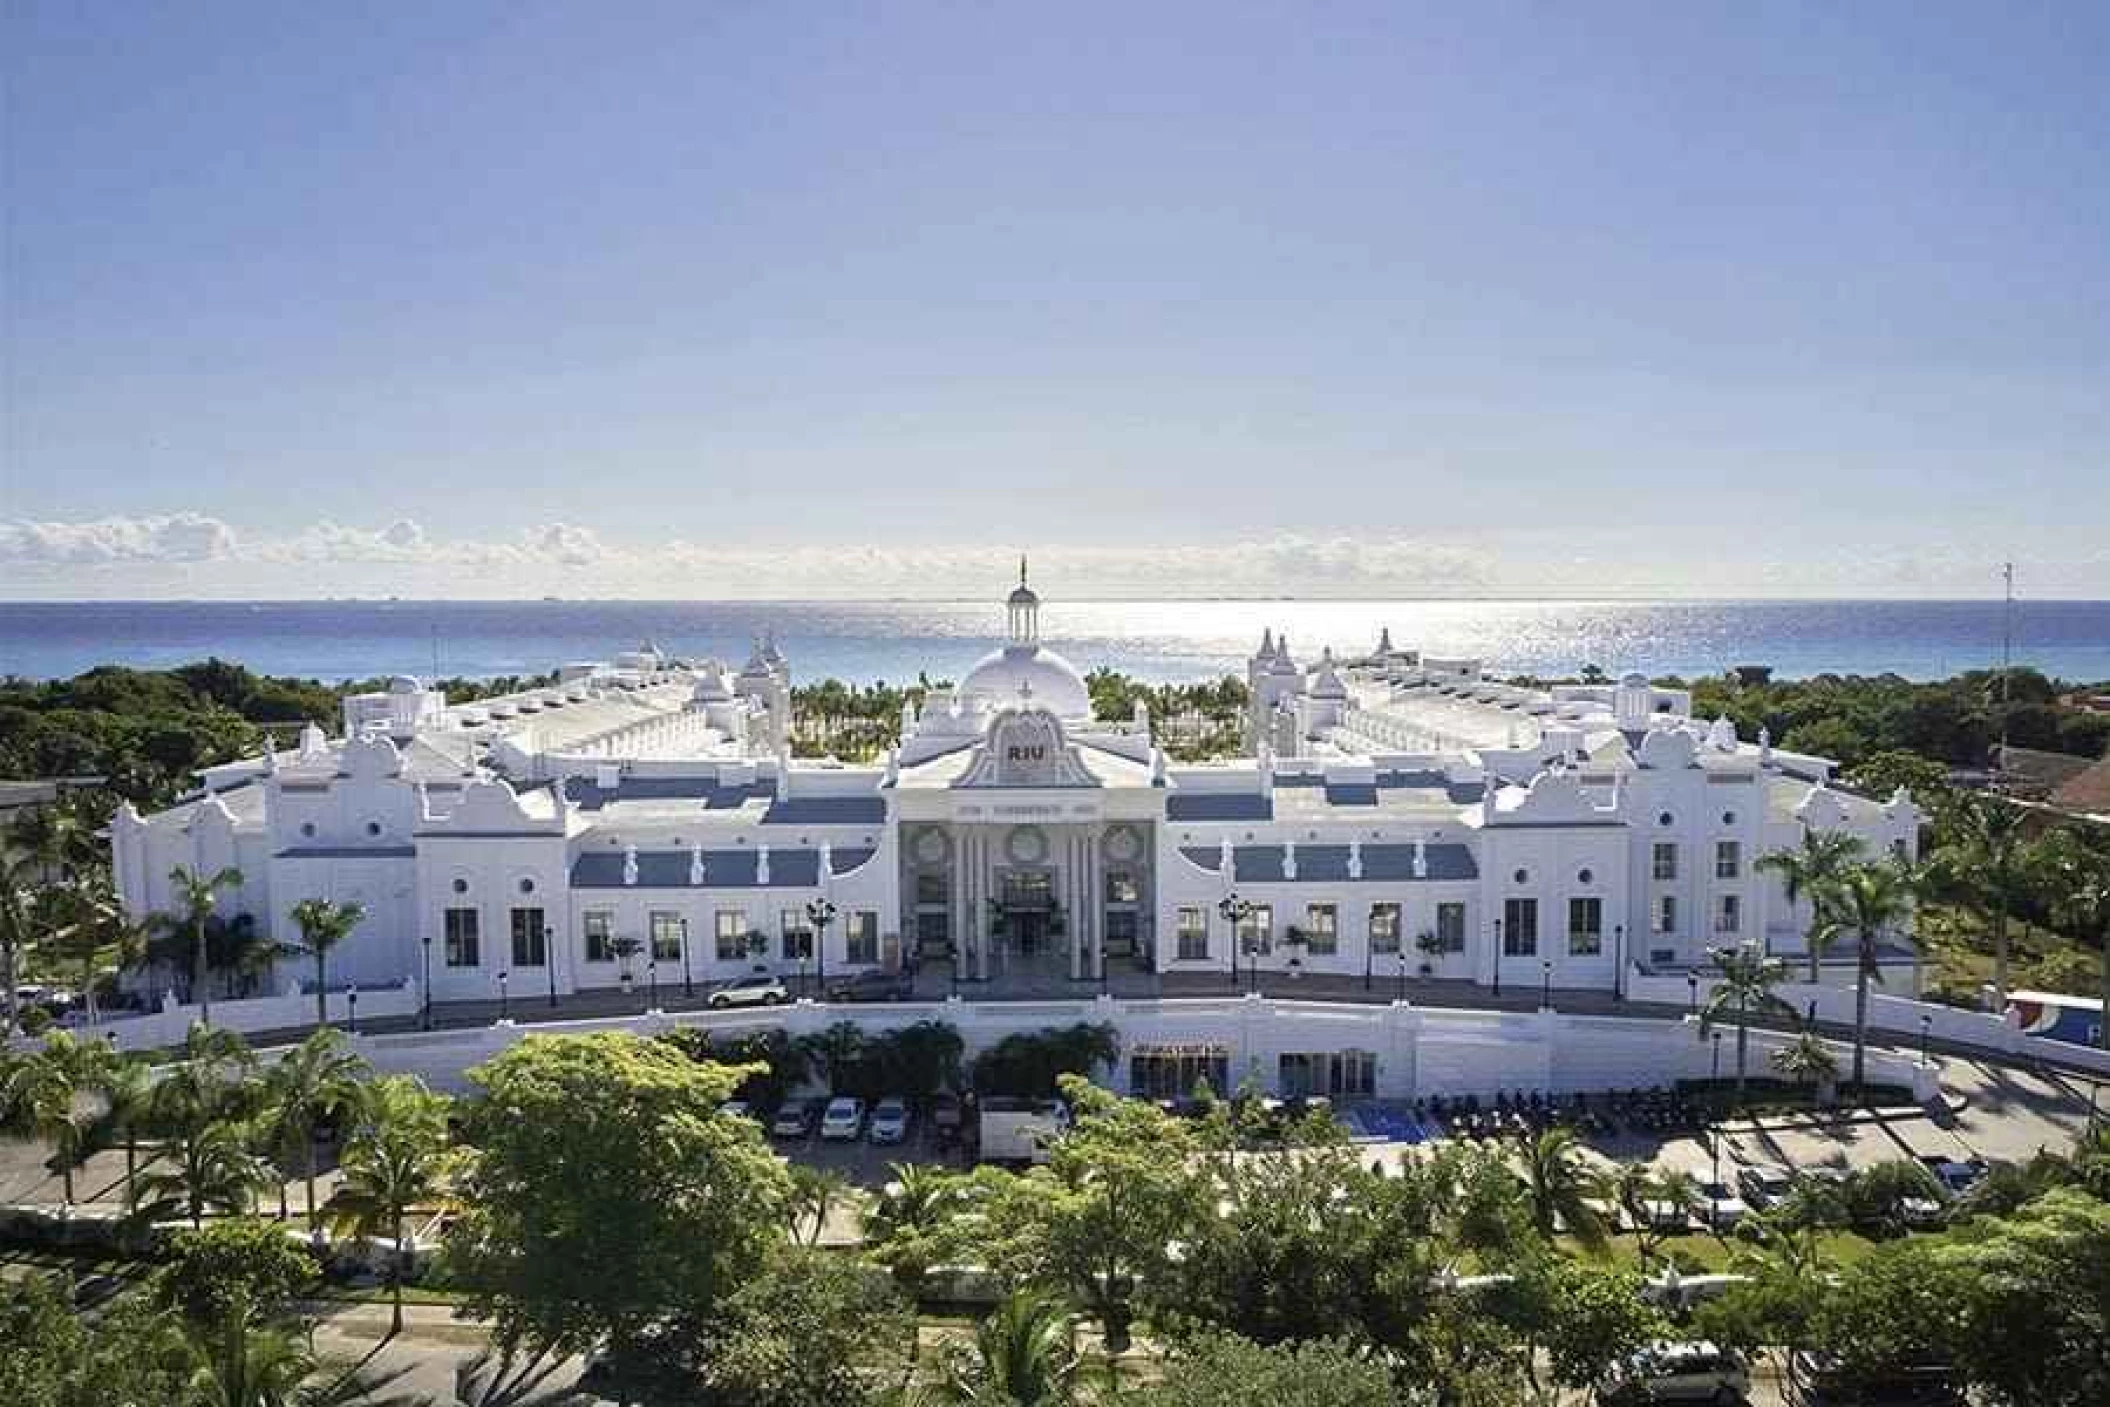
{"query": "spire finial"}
(1021, 569)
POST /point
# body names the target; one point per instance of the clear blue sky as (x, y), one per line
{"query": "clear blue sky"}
(700, 299)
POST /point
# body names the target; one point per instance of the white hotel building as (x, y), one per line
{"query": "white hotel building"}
(1398, 817)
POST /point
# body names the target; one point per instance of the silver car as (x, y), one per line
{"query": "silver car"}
(751, 991)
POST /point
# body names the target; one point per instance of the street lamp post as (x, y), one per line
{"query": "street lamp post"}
(820, 913)
(1546, 985)
(425, 1007)
(1619, 974)
(1714, 1140)
(549, 968)
(1235, 912)
(505, 1003)
(1498, 959)
(1692, 993)
(351, 1009)
(652, 983)
(688, 981)
(1926, 1029)
(1402, 972)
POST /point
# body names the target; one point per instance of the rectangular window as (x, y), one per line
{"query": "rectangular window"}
(600, 935)
(1728, 859)
(1256, 932)
(731, 934)
(1322, 937)
(530, 942)
(1520, 928)
(1384, 928)
(930, 887)
(1450, 928)
(797, 934)
(1337, 1075)
(667, 928)
(1121, 887)
(1194, 934)
(1665, 917)
(1663, 859)
(461, 939)
(1728, 913)
(1585, 927)
(861, 936)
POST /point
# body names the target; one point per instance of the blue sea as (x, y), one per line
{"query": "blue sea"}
(1159, 640)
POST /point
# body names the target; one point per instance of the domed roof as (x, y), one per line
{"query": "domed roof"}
(1049, 681)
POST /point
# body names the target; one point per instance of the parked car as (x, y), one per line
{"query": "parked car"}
(890, 1120)
(1720, 1208)
(1765, 1184)
(1813, 1380)
(758, 990)
(794, 1120)
(844, 1119)
(738, 1108)
(1677, 1372)
(872, 985)
(1955, 1177)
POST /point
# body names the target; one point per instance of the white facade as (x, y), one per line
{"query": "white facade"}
(1398, 817)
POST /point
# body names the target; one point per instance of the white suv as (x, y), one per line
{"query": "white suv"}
(844, 1119)
(1678, 1372)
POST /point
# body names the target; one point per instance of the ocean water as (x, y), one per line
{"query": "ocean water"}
(1159, 640)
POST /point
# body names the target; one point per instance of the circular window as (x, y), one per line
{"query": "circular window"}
(307, 828)
(1026, 845)
(1585, 877)
(373, 828)
(1665, 819)
(1122, 844)
(930, 847)
(461, 886)
(527, 886)
(1729, 818)
(1523, 876)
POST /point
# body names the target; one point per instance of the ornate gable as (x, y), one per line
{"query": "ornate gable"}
(1026, 747)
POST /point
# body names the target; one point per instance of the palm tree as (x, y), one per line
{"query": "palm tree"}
(244, 1363)
(323, 925)
(813, 1192)
(320, 1079)
(200, 895)
(95, 920)
(1638, 1191)
(208, 1168)
(1809, 871)
(1984, 857)
(1023, 1355)
(1560, 1183)
(1806, 1059)
(396, 1159)
(48, 1094)
(2080, 883)
(128, 1095)
(1869, 899)
(1743, 989)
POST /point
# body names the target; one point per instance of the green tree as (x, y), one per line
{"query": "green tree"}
(199, 895)
(814, 1192)
(240, 1268)
(1899, 1308)
(51, 1356)
(1573, 1321)
(1213, 1369)
(1806, 1058)
(2036, 1305)
(50, 1094)
(921, 1217)
(320, 1080)
(1119, 1191)
(1868, 900)
(1743, 988)
(1811, 871)
(604, 1195)
(128, 1100)
(323, 925)
(1560, 1184)
(2078, 875)
(1983, 857)
(397, 1159)
(1024, 1354)
(813, 1329)
(202, 1169)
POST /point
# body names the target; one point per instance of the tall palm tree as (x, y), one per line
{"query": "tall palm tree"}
(1559, 1182)
(320, 1079)
(1023, 1355)
(813, 1192)
(397, 1159)
(2079, 875)
(1808, 872)
(128, 1097)
(200, 895)
(94, 921)
(19, 932)
(203, 1169)
(1867, 901)
(1743, 988)
(1984, 857)
(49, 1095)
(323, 925)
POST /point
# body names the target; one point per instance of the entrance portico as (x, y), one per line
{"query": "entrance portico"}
(1026, 898)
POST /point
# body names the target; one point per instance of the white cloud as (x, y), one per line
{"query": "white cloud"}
(153, 555)
(177, 537)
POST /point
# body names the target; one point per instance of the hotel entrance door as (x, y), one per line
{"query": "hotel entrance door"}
(1028, 903)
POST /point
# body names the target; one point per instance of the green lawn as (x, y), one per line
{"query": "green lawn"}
(1959, 948)
(1700, 1253)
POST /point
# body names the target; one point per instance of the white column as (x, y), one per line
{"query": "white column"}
(1095, 887)
(1073, 898)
